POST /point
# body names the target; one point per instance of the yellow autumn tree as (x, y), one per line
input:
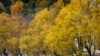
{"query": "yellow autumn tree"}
(38, 29)
(4, 30)
(9, 30)
(95, 22)
(61, 36)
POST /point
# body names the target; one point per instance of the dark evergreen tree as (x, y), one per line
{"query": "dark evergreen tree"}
(50, 2)
(66, 2)
(25, 1)
(7, 4)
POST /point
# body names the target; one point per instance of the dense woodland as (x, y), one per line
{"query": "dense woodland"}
(50, 27)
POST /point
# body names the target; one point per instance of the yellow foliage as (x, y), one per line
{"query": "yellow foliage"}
(61, 36)
(12, 43)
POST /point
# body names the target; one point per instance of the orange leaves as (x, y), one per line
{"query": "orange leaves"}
(17, 8)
